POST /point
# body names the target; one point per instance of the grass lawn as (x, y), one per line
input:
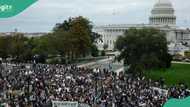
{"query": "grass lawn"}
(178, 73)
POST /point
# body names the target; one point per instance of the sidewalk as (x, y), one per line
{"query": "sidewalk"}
(180, 62)
(94, 62)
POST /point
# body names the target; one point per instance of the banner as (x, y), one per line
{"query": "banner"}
(64, 104)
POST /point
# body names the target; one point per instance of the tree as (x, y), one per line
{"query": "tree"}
(94, 51)
(15, 46)
(5, 46)
(18, 46)
(81, 29)
(43, 47)
(144, 48)
(105, 46)
(95, 37)
(71, 39)
(76, 37)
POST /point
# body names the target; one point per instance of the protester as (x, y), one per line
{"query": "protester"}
(40, 84)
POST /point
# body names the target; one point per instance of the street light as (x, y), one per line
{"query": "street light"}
(96, 71)
(114, 81)
(28, 73)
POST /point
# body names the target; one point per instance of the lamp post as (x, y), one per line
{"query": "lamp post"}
(96, 71)
(114, 87)
(96, 88)
(28, 85)
(28, 89)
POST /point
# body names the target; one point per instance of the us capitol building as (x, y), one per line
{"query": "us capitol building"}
(162, 17)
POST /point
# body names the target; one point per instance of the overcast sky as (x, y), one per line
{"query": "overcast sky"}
(44, 14)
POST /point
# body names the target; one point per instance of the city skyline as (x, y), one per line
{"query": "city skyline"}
(43, 15)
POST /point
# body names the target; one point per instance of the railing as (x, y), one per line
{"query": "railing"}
(83, 105)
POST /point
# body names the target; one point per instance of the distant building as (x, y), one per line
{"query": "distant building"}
(162, 17)
(36, 34)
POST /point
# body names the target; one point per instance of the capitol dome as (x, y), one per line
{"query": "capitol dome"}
(163, 13)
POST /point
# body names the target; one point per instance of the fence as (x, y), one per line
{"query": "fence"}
(68, 104)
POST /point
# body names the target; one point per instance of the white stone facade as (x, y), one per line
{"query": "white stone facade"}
(163, 13)
(162, 17)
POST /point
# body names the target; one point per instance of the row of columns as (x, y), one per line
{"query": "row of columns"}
(163, 20)
(115, 30)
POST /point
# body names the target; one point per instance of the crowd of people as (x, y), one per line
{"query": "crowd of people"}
(38, 85)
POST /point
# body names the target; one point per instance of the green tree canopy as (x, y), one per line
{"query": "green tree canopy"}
(144, 48)
(76, 37)
(18, 46)
(5, 46)
(71, 39)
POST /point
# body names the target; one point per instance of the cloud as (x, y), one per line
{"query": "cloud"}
(43, 15)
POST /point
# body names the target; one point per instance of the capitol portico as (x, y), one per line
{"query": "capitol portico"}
(162, 17)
